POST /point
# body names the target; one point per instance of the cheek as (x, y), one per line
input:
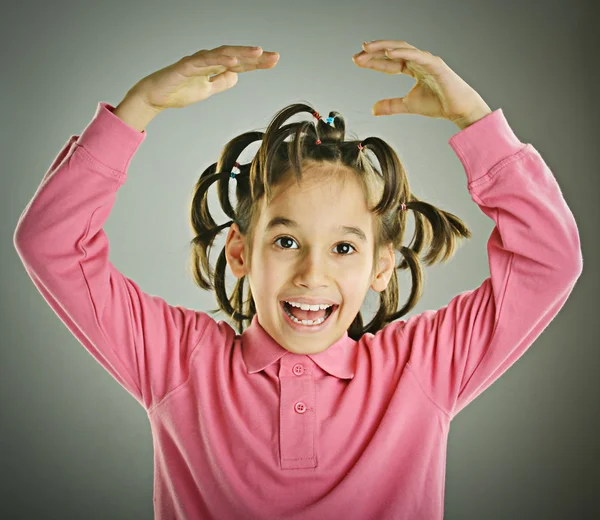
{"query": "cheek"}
(352, 273)
(269, 273)
(274, 263)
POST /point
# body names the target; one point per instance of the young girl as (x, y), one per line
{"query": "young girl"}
(308, 413)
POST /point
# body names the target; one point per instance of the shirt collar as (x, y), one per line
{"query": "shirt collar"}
(260, 350)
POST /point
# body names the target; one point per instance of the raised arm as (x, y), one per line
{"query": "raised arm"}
(143, 342)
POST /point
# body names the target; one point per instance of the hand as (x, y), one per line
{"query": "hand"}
(188, 80)
(439, 91)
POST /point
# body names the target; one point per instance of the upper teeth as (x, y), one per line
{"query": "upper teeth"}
(307, 307)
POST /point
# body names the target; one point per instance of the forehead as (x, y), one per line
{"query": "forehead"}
(319, 185)
(334, 203)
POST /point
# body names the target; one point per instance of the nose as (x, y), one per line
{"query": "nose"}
(312, 270)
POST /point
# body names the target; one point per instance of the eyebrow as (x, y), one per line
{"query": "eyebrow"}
(346, 230)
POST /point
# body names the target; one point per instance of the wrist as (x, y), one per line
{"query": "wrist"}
(473, 117)
(135, 112)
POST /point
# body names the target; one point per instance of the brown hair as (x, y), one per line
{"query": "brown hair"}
(274, 163)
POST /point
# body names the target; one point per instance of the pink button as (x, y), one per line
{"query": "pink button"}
(300, 407)
(298, 369)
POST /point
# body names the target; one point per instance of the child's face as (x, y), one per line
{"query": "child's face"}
(313, 259)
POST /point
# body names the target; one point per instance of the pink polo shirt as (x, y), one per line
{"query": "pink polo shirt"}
(244, 429)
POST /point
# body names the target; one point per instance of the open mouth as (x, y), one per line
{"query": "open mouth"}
(307, 325)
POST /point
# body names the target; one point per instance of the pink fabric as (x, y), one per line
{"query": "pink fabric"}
(370, 442)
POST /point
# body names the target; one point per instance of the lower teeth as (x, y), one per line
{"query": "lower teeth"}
(305, 322)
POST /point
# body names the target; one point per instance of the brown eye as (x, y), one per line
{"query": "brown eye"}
(346, 244)
(287, 239)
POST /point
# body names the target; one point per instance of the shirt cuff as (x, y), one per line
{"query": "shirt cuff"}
(484, 144)
(110, 140)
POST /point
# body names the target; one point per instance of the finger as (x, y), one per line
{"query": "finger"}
(387, 107)
(209, 60)
(382, 63)
(376, 45)
(389, 67)
(224, 55)
(202, 65)
(222, 82)
(412, 62)
(415, 55)
(381, 53)
(231, 50)
(266, 61)
(236, 50)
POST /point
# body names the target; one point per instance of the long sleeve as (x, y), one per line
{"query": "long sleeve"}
(143, 342)
(534, 259)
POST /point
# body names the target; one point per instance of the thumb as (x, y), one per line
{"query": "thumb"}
(223, 81)
(386, 107)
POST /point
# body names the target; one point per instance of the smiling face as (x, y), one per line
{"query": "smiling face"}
(308, 243)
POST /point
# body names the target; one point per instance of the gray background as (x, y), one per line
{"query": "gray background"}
(77, 445)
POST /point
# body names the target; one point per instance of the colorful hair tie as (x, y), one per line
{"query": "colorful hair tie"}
(329, 120)
(236, 166)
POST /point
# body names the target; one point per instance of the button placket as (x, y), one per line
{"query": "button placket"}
(300, 407)
(297, 414)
